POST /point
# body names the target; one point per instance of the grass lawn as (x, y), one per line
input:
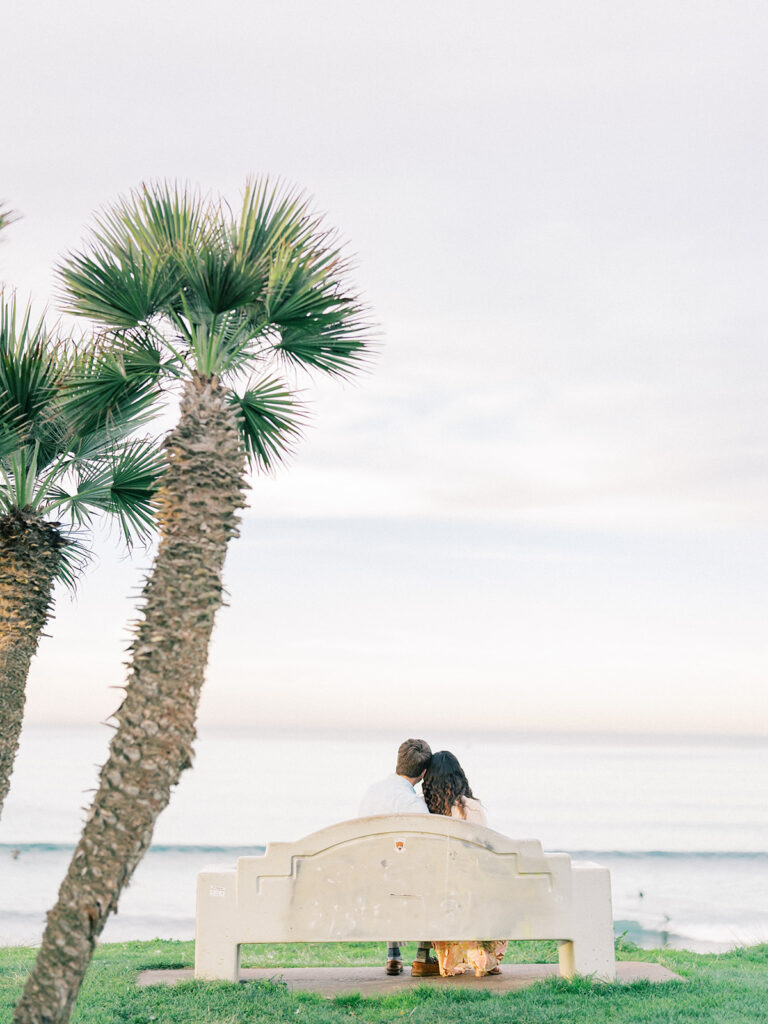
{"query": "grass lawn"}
(729, 987)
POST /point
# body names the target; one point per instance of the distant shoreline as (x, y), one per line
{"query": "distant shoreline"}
(523, 736)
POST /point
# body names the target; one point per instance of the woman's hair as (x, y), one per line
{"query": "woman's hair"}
(445, 784)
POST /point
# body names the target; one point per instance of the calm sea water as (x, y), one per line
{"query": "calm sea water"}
(683, 826)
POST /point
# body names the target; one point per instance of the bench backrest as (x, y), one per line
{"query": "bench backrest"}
(402, 876)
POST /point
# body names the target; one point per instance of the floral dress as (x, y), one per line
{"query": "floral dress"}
(480, 956)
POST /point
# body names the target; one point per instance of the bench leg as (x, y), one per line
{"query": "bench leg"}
(584, 956)
(591, 950)
(217, 953)
(217, 961)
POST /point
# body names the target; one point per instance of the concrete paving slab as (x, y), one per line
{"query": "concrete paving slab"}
(370, 981)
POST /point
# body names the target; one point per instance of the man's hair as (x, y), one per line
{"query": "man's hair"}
(413, 757)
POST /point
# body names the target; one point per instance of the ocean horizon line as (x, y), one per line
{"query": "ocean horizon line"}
(257, 848)
(533, 735)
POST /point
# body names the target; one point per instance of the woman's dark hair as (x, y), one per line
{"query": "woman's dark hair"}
(445, 784)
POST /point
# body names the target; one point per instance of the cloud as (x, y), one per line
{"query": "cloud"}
(669, 435)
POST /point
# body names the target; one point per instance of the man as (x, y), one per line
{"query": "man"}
(397, 795)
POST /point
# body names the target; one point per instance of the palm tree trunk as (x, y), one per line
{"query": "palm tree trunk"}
(198, 502)
(29, 559)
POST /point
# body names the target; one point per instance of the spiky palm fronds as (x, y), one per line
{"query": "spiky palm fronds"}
(30, 374)
(223, 295)
(7, 216)
(65, 420)
(270, 420)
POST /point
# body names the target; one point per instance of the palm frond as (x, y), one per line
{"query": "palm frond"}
(321, 326)
(12, 435)
(271, 215)
(31, 366)
(26, 482)
(120, 286)
(220, 290)
(75, 555)
(136, 473)
(19, 472)
(271, 420)
(339, 347)
(217, 280)
(161, 252)
(157, 218)
(66, 414)
(114, 388)
(128, 274)
(226, 344)
(120, 483)
(7, 216)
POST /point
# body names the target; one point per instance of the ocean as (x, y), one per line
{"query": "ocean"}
(681, 823)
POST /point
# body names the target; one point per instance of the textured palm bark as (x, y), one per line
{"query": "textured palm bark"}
(198, 503)
(29, 559)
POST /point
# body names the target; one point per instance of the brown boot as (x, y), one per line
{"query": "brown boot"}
(425, 968)
(394, 967)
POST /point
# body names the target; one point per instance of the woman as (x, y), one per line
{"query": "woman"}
(447, 792)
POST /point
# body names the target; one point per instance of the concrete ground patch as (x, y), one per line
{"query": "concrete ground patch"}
(369, 981)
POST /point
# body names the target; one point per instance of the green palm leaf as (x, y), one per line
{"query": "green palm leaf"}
(222, 293)
(217, 280)
(163, 255)
(30, 366)
(271, 420)
(7, 216)
(121, 483)
(130, 272)
(75, 557)
(11, 437)
(320, 326)
(271, 216)
(114, 388)
(156, 219)
(136, 471)
(121, 287)
(66, 416)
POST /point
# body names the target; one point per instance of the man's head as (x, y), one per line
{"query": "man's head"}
(413, 758)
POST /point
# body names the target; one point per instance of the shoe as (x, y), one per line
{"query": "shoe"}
(425, 968)
(394, 967)
(495, 970)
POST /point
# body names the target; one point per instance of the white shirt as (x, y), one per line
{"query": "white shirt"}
(393, 795)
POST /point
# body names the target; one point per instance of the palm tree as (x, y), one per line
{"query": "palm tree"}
(58, 470)
(225, 298)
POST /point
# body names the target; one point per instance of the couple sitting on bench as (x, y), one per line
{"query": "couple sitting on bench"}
(445, 791)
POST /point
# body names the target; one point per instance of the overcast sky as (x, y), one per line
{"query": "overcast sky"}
(546, 506)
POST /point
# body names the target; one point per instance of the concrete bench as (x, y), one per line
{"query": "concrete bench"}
(409, 877)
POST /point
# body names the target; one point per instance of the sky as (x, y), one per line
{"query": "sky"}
(544, 508)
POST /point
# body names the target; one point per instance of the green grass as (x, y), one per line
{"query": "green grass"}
(729, 988)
